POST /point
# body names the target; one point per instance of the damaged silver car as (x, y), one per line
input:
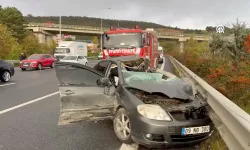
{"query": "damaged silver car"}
(150, 107)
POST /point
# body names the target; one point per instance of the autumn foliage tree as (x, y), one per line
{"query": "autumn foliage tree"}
(14, 20)
(8, 43)
(247, 44)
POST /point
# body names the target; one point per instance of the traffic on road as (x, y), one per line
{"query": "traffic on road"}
(34, 110)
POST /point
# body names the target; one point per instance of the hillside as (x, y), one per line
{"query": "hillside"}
(90, 21)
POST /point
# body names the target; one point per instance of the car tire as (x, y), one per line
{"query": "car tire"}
(40, 66)
(53, 65)
(23, 69)
(5, 76)
(122, 128)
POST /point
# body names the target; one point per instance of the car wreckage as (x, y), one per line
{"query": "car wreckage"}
(153, 108)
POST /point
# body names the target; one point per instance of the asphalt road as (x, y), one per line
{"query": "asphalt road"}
(34, 126)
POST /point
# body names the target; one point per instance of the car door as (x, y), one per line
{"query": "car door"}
(44, 61)
(82, 98)
(50, 60)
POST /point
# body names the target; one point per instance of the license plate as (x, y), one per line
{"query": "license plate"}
(25, 65)
(195, 130)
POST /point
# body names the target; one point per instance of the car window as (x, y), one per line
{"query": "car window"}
(68, 74)
(102, 67)
(80, 57)
(70, 58)
(47, 56)
(35, 56)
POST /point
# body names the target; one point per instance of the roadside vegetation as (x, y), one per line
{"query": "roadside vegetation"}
(14, 39)
(224, 63)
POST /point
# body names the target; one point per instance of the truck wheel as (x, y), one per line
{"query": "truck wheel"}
(122, 126)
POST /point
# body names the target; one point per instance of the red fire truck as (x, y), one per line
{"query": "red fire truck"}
(128, 42)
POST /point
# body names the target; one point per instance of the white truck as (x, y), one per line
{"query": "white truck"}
(68, 48)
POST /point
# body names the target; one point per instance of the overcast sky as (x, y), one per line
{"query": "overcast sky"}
(181, 13)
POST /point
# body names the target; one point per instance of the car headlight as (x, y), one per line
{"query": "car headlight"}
(153, 112)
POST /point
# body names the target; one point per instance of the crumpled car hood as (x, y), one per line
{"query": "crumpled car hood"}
(173, 89)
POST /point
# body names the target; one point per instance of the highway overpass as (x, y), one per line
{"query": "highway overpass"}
(44, 32)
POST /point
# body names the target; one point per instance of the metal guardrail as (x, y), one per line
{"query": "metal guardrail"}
(231, 121)
(90, 28)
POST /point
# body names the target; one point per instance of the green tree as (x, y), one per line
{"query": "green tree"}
(14, 20)
(30, 45)
(240, 36)
(217, 44)
(197, 48)
(95, 40)
(8, 43)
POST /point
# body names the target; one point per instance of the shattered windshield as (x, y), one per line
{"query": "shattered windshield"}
(123, 40)
(146, 77)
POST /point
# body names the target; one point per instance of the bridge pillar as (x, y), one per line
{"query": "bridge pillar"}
(182, 40)
(49, 39)
(41, 37)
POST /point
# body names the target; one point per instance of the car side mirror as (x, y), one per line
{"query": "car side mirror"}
(105, 82)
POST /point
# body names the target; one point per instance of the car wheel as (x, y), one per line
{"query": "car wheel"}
(39, 67)
(23, 69)
(122, 126)
(53, 65)
(5, 77)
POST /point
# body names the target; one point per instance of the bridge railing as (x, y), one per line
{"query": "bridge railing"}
(231, 121)
(90, 28)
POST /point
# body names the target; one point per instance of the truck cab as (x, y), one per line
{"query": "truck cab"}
(131, 42)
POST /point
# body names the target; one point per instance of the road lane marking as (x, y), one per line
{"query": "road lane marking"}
(133, 146)
(7, 84)
(27, 103)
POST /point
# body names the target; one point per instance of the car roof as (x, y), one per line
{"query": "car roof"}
(40, 54)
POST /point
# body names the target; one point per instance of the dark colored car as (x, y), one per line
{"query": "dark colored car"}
(147, 107)
(6, 71)
(38, 61)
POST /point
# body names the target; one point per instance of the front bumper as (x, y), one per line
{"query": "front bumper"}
(28, 65)
(167, 134)
(12, 70)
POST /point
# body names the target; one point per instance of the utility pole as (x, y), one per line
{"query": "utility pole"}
(101, 36)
